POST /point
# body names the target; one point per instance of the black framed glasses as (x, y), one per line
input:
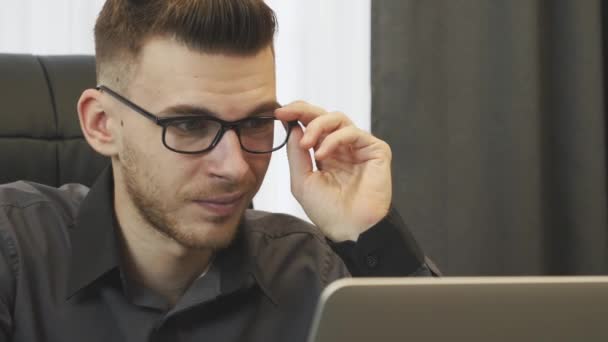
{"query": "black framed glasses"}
(192, 134)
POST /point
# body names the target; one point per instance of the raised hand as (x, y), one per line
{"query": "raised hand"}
(351, 190)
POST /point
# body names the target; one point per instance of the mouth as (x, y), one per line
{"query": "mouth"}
(223, 205)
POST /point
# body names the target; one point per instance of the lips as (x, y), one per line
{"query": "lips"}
(221, 205)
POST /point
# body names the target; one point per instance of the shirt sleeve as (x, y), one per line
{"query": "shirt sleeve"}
(387, 249)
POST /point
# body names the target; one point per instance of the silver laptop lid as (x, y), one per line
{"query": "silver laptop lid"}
(472, 309)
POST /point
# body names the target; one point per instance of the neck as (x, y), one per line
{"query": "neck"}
(153, 260)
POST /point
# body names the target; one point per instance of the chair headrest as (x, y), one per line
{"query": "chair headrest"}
(40, 136)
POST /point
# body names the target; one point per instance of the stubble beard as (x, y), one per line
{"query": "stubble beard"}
(148, 201)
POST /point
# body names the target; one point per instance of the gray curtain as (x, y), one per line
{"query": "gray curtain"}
(495, 110)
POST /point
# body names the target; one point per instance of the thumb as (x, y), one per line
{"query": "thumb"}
(300, 163)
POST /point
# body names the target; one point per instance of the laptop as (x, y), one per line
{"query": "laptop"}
(555, 309)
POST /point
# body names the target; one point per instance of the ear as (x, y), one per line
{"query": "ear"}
(97, 126)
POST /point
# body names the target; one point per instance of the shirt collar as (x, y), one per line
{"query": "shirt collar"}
(95, 251)
(93, 238)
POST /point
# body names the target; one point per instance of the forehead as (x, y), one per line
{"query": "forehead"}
(169, 74)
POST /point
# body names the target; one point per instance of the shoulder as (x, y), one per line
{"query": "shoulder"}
(283, 233)
(34, 218)
(26, 207)
(289, 249)
(22, 195)
(277, 225)
(34, 222)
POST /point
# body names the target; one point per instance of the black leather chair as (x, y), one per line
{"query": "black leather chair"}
(40, 137)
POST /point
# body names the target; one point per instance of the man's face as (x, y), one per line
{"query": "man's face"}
(197, 200)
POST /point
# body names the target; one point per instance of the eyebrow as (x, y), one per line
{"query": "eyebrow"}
(183, 109)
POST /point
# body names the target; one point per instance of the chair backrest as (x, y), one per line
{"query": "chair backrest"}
(40, 136)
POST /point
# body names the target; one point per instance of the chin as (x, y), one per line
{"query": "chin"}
(213, 233)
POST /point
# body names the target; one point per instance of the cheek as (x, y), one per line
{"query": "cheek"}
(152, 163)
(259, 166)
(141, 136)
(176, 171)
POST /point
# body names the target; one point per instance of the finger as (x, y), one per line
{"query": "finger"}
(300, 162)
(363, 145)
(300, 111)
(322, 126)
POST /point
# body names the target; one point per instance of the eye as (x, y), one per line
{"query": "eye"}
(196, 126)
(255, 124)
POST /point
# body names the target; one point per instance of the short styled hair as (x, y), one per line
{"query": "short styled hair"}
(232, 27)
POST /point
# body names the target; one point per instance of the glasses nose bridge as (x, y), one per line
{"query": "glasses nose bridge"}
(227, 126)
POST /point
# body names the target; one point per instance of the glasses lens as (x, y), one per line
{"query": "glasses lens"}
(191, 135)
(263, 134)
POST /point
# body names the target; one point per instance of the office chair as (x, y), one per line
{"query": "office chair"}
(40, 137)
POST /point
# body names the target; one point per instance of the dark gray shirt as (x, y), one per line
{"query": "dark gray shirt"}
(61, 277)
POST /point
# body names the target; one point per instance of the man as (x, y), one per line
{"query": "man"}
(162, 247)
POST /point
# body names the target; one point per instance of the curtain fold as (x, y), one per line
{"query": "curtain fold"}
(495, 112)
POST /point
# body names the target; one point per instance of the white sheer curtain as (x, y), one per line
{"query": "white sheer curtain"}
(323, 56)
(48, 27)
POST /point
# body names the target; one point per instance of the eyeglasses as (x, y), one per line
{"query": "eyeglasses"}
(194, 134)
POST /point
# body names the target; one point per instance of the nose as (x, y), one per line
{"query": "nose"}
(226, 159)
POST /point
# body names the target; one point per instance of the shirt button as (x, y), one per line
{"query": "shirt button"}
(371, 260)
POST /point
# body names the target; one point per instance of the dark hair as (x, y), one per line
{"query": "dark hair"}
(233, 27)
